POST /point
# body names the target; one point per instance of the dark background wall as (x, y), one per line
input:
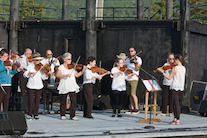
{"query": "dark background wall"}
(155, 38)
(3, 34)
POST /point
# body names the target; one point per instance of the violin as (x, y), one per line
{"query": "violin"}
(12, 56)
(166, 67)
(126, 70)
(78, 66)
(97, 70)
(46, 68)
(7, 63)
(16, 66)
(30, 59)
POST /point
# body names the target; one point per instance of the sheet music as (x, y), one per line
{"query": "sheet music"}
(151, 85)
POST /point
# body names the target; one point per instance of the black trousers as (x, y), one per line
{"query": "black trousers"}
(72, 105)
(166, 98)
(14, 86)
(31, 94)
(117, 99)
(23, 82)
(88, 93)
(4, 98)
(176, 103)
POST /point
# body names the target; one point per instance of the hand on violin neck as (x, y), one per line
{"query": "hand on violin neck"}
(68, 75)
(8, 67)
(20, 68)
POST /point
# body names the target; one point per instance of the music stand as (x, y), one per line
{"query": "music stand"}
(151, 87)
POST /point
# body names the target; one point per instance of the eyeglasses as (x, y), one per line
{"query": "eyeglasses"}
(171, 58)
(49, 54)
(69, 59)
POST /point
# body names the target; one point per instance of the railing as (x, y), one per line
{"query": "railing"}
(197, 7)
(81, 13)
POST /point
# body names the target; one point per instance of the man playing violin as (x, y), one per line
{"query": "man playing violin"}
(5, 79)
(167, 93)
(89, 78)
(134, 63)
(49, 59)
(24, 61)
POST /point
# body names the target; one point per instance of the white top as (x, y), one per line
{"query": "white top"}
(167, 72)
(34, 82)
(132, 67)
(23, 61)
(178, 79)
(47, 61)
(67, 84)
(118, 82)
(88, 74)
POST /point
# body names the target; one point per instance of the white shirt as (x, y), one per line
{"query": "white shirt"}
(67, 84)
(88, 74)
(47, 61)
(167, 72)
(178, 79)
(132, 67)
(23, 61)
(34, 81)
(118, 82)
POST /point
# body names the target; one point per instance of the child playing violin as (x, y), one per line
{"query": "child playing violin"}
(89, 78)
(5, 79)
(34, 85)
(118, 86)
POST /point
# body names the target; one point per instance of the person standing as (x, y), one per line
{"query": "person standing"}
(177, 86)
(68, 85)
(134, 63)
(166, 93)
(5, 79)
(34, 85)
(118, 86)
(23, 61)
(15, 78)
(89, 78)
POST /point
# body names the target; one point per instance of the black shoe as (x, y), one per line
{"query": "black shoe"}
(119, 115)
(113, 116)
(88, 116)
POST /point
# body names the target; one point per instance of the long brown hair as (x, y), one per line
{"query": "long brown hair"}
(3, 51)
(180, 57)
(117, 61)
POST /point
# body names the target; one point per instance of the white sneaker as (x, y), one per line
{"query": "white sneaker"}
(74, 118)
(28, 117)
(63, 118)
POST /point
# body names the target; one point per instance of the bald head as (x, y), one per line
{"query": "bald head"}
(49, 53)
(28, 52)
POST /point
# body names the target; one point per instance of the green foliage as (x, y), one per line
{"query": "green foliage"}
(30, 13)
(161, 5)
(76, 11)
(197, 12)
(4, 10)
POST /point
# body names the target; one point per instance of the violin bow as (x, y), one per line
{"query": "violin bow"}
(2, 89)
(76, 63)
(100, 67)
(134, 55)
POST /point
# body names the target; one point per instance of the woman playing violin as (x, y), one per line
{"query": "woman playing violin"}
(177, 86)
(5, 79)
(34, 85)
(89, 78)
(167, 94)
(118, 86)
(68, 85)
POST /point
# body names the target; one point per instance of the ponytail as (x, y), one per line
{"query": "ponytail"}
(180, 57)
